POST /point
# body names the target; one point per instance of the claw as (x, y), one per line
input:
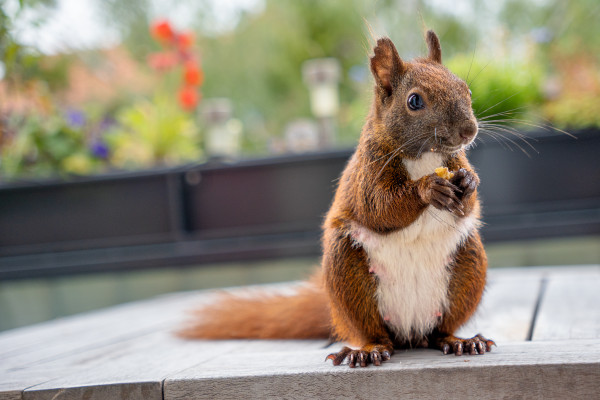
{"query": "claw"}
(362, 356)
(458, 348)
(352, 360)
(375, 358)
(337, 358)
(475, 345)
(376, 355)
(472, 348)
(445, 348)
(488, 342)
(480, 348)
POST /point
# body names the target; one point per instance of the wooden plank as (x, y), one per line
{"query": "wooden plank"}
(9, 395)
(550, 370)
(98, 356)
(127, 361)
(569, 308)
(127, 351)
(39, 361)
(507, 308)
(137, 370)
(13, 383)
(74, 335)
(17, 340)
(114, 320)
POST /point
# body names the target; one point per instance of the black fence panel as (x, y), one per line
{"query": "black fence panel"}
(270, 207)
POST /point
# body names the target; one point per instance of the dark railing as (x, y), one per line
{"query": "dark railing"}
(272, 207)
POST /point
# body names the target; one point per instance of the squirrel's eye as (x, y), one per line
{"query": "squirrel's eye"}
(415, 102)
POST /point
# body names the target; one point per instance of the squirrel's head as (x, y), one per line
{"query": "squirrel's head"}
(420, 105)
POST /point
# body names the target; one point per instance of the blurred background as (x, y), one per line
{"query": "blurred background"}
(151, 146)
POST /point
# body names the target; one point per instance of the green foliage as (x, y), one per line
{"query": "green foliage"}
(259, 64)
(572, 26)
(258, 67)
(45, 146)
(501, 88)
(20, 62)
(156, 132)
(575, 111)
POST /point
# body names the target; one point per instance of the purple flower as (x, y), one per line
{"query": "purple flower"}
(75, 118)
(99, 150)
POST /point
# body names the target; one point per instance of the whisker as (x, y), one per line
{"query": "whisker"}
(515, 143)
(383, 156)
(421, 148)
(548, 128)
(387, 162)
(500, 102)
(453, 226)
(480, 71)
(403, 146)
(503, 143)
(471, 65)
(507, 112)
(509, 128)
(493, 135)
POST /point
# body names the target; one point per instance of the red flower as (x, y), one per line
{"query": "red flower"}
(162, 61)
(185, 40)
(162, 30)
(188, 98)
(192, 74)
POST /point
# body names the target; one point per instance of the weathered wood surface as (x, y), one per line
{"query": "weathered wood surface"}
(527, 370)
(507, 307)
(570, 308)
(129, 352)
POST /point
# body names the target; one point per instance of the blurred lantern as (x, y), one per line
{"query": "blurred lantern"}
(223, 133)
(302, 135)
(322, 76)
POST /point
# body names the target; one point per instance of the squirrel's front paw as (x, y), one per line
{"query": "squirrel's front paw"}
(466, 181)
(370, 354)
(475, 345)
(442, 194)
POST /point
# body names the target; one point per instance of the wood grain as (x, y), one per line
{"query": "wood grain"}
(549, 370)
(139, 368)
(507, 309)
(129, 352)
(570, 308)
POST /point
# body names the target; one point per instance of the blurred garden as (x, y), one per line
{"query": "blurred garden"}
(171, 83)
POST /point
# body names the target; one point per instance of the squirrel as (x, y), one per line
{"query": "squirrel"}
(403, 264)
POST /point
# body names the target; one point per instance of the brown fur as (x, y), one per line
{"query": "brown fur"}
(376, 191)
(303, 315)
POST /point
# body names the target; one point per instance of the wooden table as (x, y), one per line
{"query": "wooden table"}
(546, 322)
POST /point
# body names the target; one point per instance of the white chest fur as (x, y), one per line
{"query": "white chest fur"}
(412, 263)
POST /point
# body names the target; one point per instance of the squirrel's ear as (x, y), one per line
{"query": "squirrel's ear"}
(386, 64)
(435, 50)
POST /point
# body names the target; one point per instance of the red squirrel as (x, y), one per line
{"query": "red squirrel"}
(403, 264)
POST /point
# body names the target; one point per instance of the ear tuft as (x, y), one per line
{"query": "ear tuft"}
(435, 49)
(386, 64)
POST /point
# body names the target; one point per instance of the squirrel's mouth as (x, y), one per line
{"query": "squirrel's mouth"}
(448, 149)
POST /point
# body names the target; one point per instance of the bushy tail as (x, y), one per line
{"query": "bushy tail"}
(302, 315)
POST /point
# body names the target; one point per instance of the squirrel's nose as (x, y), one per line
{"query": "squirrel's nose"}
(468, 131)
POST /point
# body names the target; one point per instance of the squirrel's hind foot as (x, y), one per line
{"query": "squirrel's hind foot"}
(475, 345)
(370, 354)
